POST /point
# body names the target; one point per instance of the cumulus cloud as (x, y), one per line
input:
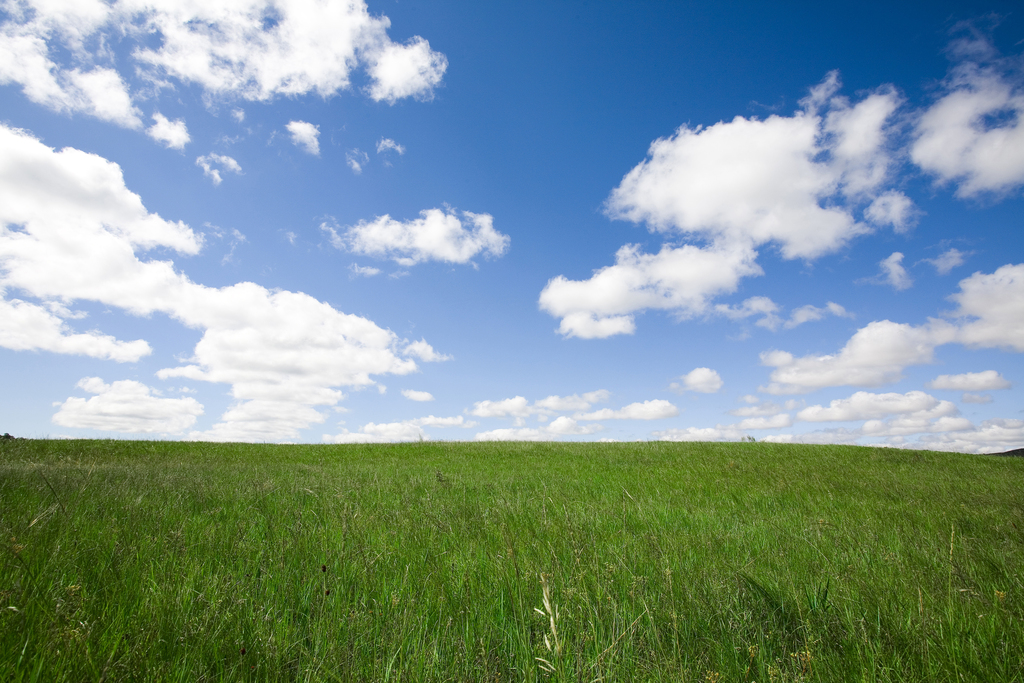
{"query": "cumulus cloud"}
(754, 306)
(680, 279)
(891, 417)
(517, 406)
(893, 272)
(794, 182)
(702, 380)
(424, 351)
(435, 236)
(407, 430)
(718, 433)
(520, 408)
(947, 261)
(874, 356)
(656, 409)
(173, 134)
(558, 404)
(409, 70)
(973, 134)
(380, 433)
(864, 405)
(993, 436)
(559, 427)
(210, 163)
(71, 231)
(414, 395)
(807, 313)
(127, 406)
(753, 181)
(305, 135)
(990, 314)
(757, 408)
(772, 422)
(363, 271)
(992, 308)
(252, 49)
(895, 209)
(26, 326)
(769, 311)
(970, 381)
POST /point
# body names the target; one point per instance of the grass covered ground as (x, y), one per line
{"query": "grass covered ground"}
(162, 561)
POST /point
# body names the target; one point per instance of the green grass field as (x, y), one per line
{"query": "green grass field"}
(164, 561)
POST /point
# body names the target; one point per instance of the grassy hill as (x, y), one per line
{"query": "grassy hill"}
(133, 560)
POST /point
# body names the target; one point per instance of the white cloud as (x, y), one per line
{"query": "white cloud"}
(209, 161)
(992, 306)
(990, 314)
(25, 60)
(173, 134)
(559, 427)
(558, 404)
(772, 422)
(702, 380)
(410, 70)
(719, 433)
(387, 144)
(238, 114)
(58, 52)
(755, 305)
(435, 236)
(363, 271)
(305, 135)
(656, 409)
(517, 406)
(947, 261)
(424, 351)
(756, 408)
(28, 327)
(407, 430)
(875, 355)
(380, 433)
(414, 395)
(794, 182)
(431, 421)
(894, 272)
(891, 417)
(680, 279)
(281, 352)
(864, 405)
(768, 310)
(127, 406)
(753, 182)
(520, 408)
(986, 380)
(260, 420)
(973, 134)
(807, 313)
(355, 158)
(895, 209)
(993, 436)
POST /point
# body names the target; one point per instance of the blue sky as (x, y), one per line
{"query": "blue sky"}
(312, 221)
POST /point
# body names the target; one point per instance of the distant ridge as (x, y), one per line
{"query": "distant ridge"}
(1015, 453)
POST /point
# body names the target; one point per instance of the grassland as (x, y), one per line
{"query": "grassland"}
(166, 561)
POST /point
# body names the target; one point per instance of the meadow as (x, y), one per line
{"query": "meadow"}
(437, 561)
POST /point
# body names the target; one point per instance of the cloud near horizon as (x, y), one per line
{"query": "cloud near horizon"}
(80, 230)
